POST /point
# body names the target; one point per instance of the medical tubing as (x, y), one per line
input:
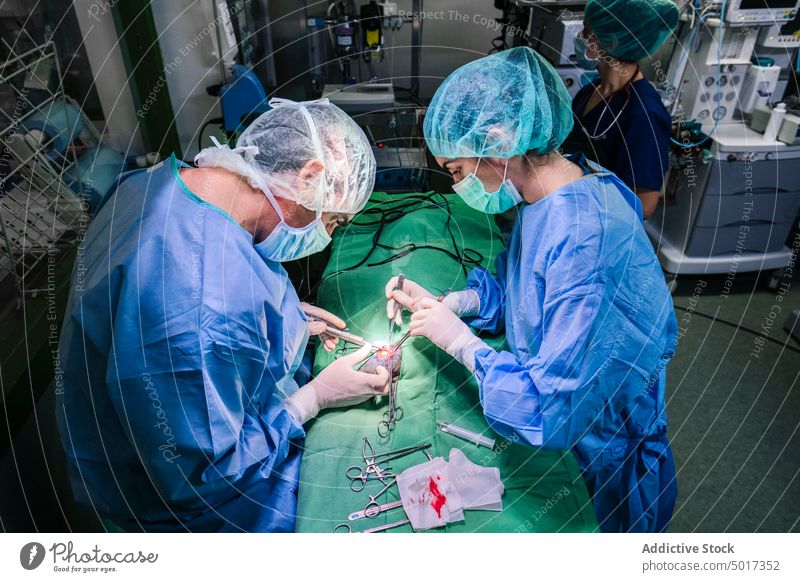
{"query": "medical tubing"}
(465, 257)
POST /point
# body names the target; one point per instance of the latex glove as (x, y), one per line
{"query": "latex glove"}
(435, 321)
(338, 385)
(462, 303)
(411, 293)
(318, 327)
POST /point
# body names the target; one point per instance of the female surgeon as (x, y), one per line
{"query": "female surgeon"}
(177, 406)
(620, 121)
(586, 312)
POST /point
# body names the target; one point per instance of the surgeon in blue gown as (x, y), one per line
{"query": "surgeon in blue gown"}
(587, 315)
(178, 406)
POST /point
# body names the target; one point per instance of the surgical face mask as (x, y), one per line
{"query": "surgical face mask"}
(287, 243)
(581, 59)
(473, 192)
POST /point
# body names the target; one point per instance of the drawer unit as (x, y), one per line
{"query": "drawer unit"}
(741, 208)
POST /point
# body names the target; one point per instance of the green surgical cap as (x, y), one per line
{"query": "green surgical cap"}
(499, 106)
(631, 29)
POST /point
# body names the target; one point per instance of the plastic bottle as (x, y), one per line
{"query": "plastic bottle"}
(775, 122)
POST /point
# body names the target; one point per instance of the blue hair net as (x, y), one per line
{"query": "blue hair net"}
(631, 29)
(499, 106)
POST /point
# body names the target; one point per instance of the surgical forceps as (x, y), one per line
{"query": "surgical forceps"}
(346, 526)
(358, 474)
(398, 287)
(373, 507)
(406, 335)
(373, 458)
(393, 414)
(372, 469)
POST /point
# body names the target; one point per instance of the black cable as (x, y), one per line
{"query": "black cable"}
(515, 17)
(202, 127)
(410, 92)
(384, 217)
(737, 326)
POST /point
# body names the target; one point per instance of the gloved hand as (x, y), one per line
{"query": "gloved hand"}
(435, 321)
(411, 293)
(318, 327)
(462, 303)
(338, 385)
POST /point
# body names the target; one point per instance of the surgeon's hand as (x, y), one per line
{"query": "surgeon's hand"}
(462, 303)
(318, 327)
(338, 385)
(435, 321)
(412, 293)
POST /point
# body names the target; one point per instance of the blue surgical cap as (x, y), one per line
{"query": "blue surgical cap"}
(631, 29)
(503, 105)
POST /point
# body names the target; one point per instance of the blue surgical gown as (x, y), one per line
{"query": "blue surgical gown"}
(178, 344)
(590, 326)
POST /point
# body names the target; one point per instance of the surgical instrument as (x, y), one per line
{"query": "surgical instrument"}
(373, 469)
(398, 287)
(390, 417)
(395, 413)
(340, 333)
(468, 435)
(356, 515)
(379, 458)
(372, 529)
(358, 474)
(373, 508)
(407, 335)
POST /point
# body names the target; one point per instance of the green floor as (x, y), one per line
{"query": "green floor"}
(734, 417)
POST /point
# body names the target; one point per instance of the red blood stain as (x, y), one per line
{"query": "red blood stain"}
(438, 500)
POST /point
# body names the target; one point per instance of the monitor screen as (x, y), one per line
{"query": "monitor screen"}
(763, 4)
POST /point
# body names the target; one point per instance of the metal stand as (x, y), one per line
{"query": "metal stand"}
(40, 212)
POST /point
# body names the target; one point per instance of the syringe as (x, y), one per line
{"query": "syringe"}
(465, 434)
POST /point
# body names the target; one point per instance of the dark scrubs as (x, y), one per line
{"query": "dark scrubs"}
(636, 146)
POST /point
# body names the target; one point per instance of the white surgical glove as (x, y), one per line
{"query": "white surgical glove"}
(412, 291)
(462, 303)
(338, 385)
(318, 327)
(444, 328)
